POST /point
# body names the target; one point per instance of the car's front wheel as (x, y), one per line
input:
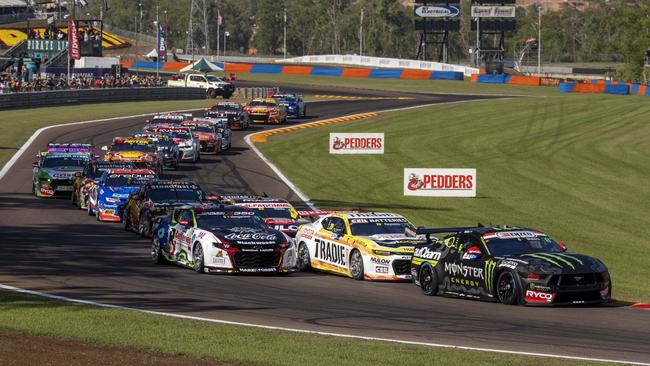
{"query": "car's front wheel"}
(428, 280)
(127, 226)
(156, 251)
(142, 226)
(507, 288)
(198, 258)
(356, 265)
(304, 261)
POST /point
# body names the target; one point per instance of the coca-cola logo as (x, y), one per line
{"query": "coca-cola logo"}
(250, 236)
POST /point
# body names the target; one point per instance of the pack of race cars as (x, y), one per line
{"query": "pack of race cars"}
(226, 233)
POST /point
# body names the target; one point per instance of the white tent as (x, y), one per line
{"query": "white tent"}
(152, 54)
(202, 65)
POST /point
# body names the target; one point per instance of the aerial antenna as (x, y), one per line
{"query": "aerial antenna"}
(197, 30)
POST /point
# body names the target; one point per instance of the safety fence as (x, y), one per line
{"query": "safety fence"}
(346, 72)
(73, 97)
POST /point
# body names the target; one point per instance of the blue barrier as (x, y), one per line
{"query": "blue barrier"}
(634, 89)
(619, 89)
(385, 73)
(567, 87)
(447, 75)
(147, 65)
(493, 78)
(266, 69)
(326, 71)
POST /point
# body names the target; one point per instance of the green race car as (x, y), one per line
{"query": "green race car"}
(54, 172)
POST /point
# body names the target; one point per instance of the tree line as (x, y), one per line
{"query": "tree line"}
(606, 31)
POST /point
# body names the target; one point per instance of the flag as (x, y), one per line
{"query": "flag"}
(161, 48)
(219, 20)
(74, 50)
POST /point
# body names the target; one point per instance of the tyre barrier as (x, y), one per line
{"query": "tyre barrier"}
(506, 79)
(346, 72)
(618, 89)
(74, 97)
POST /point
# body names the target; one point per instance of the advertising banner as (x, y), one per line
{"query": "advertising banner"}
(356, 143)
(493, 12)
(441, 11)
(436, 182)
(74, 48)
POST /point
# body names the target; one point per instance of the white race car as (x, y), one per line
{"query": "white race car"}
(210, 238)
(371, 246)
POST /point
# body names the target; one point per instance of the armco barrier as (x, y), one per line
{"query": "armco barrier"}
(67, 97)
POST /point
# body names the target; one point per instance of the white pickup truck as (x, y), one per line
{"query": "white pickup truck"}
(213, 85)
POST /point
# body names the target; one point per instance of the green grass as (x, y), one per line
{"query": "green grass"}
(401, 85)
(227, 343)
(574, 166)
(18, 124)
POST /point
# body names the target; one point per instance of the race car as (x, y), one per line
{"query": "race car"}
(232, 113)
(370, 246)
(266, 111)
(221, 239)
(167, 148)
(107, 197)
(54, 172)
(86, 179)
(277, 213)
(67, 148)
(210, 140)
(168, 119)
(296, 107)
(513, 265)
(223, 127)
(188, 145)
(142, 152)
(156, 199)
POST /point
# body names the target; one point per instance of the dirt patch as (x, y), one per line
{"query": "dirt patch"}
(17, 349)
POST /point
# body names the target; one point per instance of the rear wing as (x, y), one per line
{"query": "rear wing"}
(316, 214)
(428, 231)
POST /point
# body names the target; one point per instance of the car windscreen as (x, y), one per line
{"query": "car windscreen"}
(60, 162)
(203, 129)
(369, 227)
(128, 180)
(133, 147)
(181, 135)
(226, 108)
(213, 79)
(262, 104)
(518, 246)
(275, 213)
(173, 121)
(172, 194)
(228, 220)
(165, 142)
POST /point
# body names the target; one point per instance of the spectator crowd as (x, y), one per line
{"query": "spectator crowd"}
(15, 84)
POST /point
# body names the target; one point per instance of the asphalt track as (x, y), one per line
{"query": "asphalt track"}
(48, 246)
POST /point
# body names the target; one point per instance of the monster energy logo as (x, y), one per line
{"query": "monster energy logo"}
(556, 259)
(490, 265)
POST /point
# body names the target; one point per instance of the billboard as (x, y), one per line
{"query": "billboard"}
(493, 12)
(357, 143)
(440, 11)
(439, 182)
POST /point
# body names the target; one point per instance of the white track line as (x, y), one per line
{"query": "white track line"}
(305, 331)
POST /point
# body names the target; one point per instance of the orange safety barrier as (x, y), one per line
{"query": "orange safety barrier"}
(238, 68)
(297, 70)
(525, 80)
(642, 89)
(126, 64)
(175, 66)
(416, 74)
(355, 73)
(474, 78)
(589, 88)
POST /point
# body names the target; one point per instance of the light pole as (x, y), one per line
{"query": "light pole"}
(361, 33)
(285, 33)
(539, 40)
(225, 38)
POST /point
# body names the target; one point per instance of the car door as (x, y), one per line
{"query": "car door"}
(180, 234)
(330, 247)
(467, 274)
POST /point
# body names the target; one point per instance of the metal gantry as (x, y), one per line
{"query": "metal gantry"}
(197, 30)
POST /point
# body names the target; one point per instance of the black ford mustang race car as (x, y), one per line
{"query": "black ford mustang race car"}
(507, 264)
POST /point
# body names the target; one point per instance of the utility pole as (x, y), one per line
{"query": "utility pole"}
(225, 38)
(539, 40)
(478, 44)
(285, 33)
(198, 10)
(218, 31)
(361, 33)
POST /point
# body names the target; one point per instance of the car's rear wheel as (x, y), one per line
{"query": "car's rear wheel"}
(304, 261)
(356, 265)
(507, 288)
(142, 230)
(156, 251)
(304, 113)
(198, 258)
(90, 211)
(125, 219)
(428, 280)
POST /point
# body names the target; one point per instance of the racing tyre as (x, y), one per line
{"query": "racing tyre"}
(304, 113)
(212, 93)
(507, 288)
(428, 281)
(198, 258)
(304, 262)
(156, 251)
(142, 230)
(90, 212)
(356, 265)
(72, 200)
(125, 220)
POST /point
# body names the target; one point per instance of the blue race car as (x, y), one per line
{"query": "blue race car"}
(108, 195)
(296, 107)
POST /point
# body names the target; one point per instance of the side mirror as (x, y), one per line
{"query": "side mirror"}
(562, 246)
(105, 148)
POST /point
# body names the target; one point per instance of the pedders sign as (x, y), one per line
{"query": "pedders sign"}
(356, 143)
(435, 182)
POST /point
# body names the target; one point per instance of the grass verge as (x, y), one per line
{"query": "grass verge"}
(226, 343)
(403, 85)
(574, 166)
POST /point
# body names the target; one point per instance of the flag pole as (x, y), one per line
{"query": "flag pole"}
(218, 29)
